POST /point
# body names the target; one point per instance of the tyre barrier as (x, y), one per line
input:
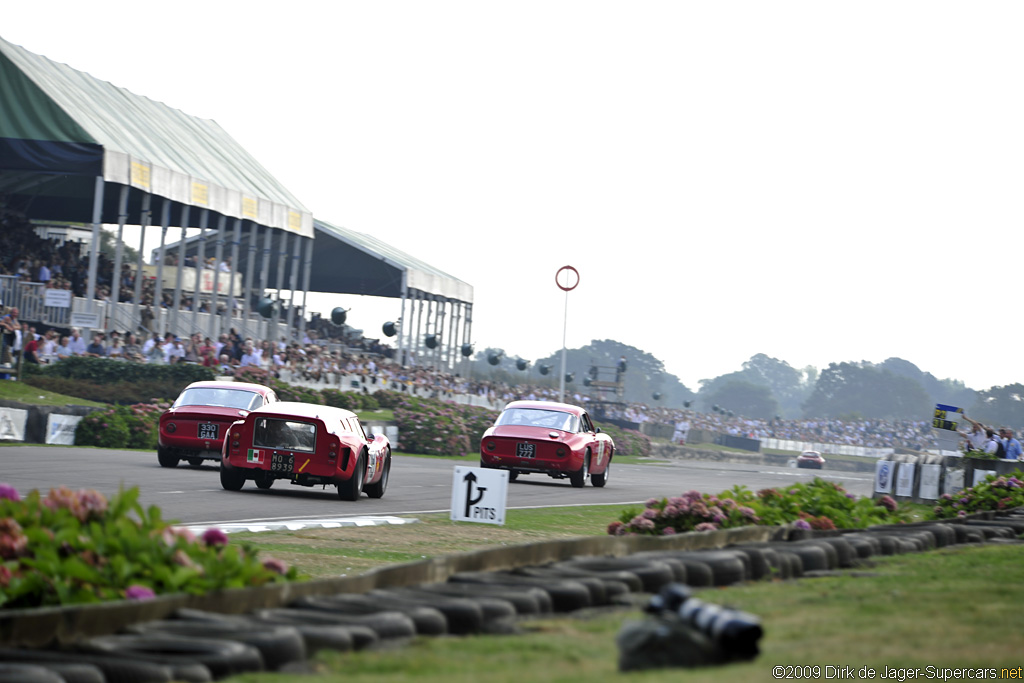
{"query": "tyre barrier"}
(278, 645)
(197, 645)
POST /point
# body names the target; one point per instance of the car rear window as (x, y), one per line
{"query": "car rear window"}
(533, 417)
(224, 398)
(292, 435)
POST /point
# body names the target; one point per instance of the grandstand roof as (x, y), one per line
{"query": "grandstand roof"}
(61, 128)
(348, 262)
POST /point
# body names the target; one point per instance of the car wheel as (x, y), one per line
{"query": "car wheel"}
(599, 480)
(166, 458)
(263, 479)
(353, 488)
(377, 489)
(195, 462)
(231, 479)
(579, 477)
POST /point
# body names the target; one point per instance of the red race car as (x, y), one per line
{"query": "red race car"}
(308, 445)
(194, 426)
(556, 439)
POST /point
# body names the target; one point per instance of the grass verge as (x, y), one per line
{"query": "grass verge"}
(952, 608)
(25, 393)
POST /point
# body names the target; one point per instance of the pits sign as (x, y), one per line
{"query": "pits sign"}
(478, 495)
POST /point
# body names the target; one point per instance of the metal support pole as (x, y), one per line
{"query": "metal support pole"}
(122, 218)
(233, 268)
(250, 263)
(97, 220)
(165, 221)
(204, 218)
(175, 308)
(281, 260)
(307, 266)
(140, 277)
(218, 255)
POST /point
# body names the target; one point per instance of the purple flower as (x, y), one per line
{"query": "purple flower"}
(8, 492)
(215, 537)
(668, 531)
(801, 524)
(137, 592)
(705, 526)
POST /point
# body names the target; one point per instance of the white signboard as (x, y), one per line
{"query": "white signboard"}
(929, 487)
(954, 481)
(884, 471)
(979, 476)
(57, 298)
(12, 424)
(478, 495)
(86, 321)
(905, 479)
(60, 429)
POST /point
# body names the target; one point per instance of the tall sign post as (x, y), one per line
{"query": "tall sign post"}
(567, 278)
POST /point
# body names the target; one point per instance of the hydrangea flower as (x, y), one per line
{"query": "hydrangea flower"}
(8, 492)
(215, 537)
(137, 592)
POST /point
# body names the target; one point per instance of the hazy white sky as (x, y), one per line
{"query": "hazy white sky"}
(817, 181)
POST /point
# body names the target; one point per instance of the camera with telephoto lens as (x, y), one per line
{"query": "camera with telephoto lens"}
(736, 633)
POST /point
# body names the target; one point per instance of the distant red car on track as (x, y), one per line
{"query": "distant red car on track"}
(810, 459)
(545, 437)
(193, 427)
(307, 445)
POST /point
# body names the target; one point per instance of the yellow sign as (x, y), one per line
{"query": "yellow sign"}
(250, 208)
(140, 175)
(200, 194)
(294, 221)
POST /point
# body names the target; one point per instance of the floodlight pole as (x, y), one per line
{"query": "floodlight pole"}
(569, 273)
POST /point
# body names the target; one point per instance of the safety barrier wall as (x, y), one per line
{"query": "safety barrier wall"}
(924, 478)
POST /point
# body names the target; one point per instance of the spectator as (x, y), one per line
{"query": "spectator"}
(96, 349)
(993, 444)
(132, 350)
(76, 344)
(1011, 446)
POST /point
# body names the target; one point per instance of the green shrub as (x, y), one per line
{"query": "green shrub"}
(77, 547)
(628, 441)
(1003, 492)
(104, 428)
(431, 427)
(817, 505)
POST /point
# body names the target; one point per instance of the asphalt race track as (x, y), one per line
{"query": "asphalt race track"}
(417, 486)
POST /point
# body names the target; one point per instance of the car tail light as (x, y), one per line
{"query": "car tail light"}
(332, 448)
(171, 427)
(561, 452)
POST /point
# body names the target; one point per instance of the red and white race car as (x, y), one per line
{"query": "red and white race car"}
(193, 428)
(307, 445)
(556, 439)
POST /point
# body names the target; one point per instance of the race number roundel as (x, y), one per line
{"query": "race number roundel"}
(571, 278)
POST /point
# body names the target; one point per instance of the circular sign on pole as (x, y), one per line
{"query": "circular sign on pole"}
(571, 275)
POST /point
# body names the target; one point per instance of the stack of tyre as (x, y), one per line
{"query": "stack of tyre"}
(203, 646)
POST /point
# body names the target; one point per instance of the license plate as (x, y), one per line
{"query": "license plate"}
(208, 430)
(525, 450)
(282, 462)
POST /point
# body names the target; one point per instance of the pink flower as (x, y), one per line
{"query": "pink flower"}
(668, 531)
(8, 492)
(275, 565)
(705, 526)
